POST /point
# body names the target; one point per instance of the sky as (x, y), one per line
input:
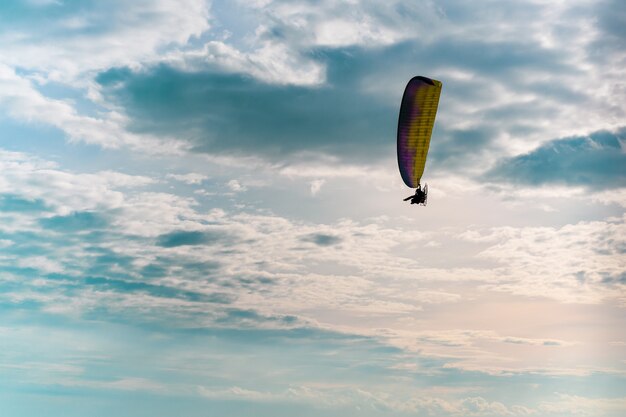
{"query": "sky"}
(201, 211)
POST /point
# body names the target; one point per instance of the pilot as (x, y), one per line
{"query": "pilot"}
(419, 197)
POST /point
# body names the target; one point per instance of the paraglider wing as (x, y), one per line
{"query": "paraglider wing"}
(415, 126)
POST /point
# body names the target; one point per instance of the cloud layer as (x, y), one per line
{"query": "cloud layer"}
(200, 210)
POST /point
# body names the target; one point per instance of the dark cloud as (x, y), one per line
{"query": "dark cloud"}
(455, 147)
(321, 239)
(196, 267)
(106, 262)
(16, 203)
(153, 271)
(236, 114)
(75, 222)
(27, 243)
(596, 161)
(249, 283)
(125, 286)
(459, 12)
(618, 279)
(234, 316)
(183, 238)
(16, 13)
(611, 20)
(352, 116)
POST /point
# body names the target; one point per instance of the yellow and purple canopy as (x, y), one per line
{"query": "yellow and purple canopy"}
(415, 126)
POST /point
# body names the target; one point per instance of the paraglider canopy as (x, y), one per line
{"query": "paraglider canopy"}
(415, 126)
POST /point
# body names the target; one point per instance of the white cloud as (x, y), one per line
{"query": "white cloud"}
(40, 263)
(617, 196)
(286, 59)
(340, 23)
(316, 186)
(23, 102)
(63, 191)
(367, 271)
(570, 263)
(96, 37)
(338, 395)
(373, 278)
(275, 44)
(336, 33)
(236, 186)
(582, 406)
(271, 61)
(71, 50)
(41, 3)
(190, 178)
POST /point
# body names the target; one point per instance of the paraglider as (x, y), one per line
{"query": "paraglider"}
(415, 126)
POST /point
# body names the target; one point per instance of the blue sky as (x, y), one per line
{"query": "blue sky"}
(201, 212)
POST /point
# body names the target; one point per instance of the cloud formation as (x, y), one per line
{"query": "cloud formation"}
(596, 161)
(222, 230)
